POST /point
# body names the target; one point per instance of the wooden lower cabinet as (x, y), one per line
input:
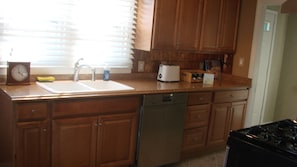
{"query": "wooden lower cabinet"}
(209, 119)
(196, 123)
(94, 141)
(33, 144)
(224, 118)
(74, 142)
(194, 139)
(116, 140)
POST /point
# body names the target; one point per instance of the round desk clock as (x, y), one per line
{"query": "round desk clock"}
(18, 73)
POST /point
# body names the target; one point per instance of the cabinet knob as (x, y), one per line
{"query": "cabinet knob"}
(33, 110)
(44, 130)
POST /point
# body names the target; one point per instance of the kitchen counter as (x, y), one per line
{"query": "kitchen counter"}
(142, 86)
(31, 114)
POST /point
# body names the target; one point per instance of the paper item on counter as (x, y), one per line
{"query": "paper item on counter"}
(208, 79)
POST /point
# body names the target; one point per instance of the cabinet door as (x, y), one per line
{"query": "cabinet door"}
(210, 25)
(33, 142)
(164, 24)
(116, 140)
(74, 142)
(197, 116)
(194, 140)
(219, 26)
(237, 115)
(189, 23)
(219, 124)
(229, 25)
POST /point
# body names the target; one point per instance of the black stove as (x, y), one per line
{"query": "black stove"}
(272, 144)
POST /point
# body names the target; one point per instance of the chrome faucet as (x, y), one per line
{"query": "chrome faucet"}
(77, 68)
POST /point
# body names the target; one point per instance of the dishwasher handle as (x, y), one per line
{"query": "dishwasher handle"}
(166, 98)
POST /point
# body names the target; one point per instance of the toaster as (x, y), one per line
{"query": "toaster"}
(168, 73)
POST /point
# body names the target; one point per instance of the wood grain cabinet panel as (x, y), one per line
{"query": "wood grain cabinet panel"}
(219, 124)
(194, 139)
(33, 144)
(76, 107)
(228, 113)
(230, 96)
(175, 24)
(205, 26)
(164, 24)
(32, 134)
(105, 135)
(199, 98)
(74, 142)
(197, 116)
(219, 26)
(31, 111)
(116, 140)
(189, 25)
(196, 123)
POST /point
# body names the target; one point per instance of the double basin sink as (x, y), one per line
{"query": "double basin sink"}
(83, 86)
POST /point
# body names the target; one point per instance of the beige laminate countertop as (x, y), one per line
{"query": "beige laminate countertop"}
(142, 86)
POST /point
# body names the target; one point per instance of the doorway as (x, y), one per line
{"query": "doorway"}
(263, 84)
(268, 44)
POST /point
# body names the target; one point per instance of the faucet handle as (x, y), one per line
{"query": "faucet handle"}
(77, 62)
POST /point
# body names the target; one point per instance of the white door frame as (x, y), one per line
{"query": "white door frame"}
(253, 116)
(266, 60)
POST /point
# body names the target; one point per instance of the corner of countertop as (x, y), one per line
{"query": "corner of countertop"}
(237, 79)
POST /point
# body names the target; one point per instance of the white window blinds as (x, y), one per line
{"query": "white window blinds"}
(56, 33)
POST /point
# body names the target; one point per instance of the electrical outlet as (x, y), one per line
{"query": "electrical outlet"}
(140, 66)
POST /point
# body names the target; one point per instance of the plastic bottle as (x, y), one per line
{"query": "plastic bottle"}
(106, 72)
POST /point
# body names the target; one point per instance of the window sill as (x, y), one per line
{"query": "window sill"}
(65, 70)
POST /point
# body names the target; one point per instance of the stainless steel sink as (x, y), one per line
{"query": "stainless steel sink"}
(83, 86)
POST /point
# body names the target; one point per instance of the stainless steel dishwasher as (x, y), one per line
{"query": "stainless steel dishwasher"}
(161, 129)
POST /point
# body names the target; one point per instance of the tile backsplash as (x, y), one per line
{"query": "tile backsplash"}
(186, 60)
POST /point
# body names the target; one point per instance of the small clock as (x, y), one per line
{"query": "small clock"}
(18, 73)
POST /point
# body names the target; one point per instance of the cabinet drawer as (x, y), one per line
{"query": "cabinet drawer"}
(102, 105)
(76, 107)
(31, 111)
(197, 116)
(194, 139)
(199, 98)
(228, 96)
(120, 104)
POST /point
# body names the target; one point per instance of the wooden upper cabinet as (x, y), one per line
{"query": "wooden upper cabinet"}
(210, 25)
(175, 24)
(205, 26)
(189, 24)
(229, 26)
(219, 26)
(164, 24)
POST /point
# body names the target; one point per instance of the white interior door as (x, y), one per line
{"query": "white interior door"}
(265, 59)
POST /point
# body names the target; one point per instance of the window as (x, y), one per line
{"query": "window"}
(56, 33)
